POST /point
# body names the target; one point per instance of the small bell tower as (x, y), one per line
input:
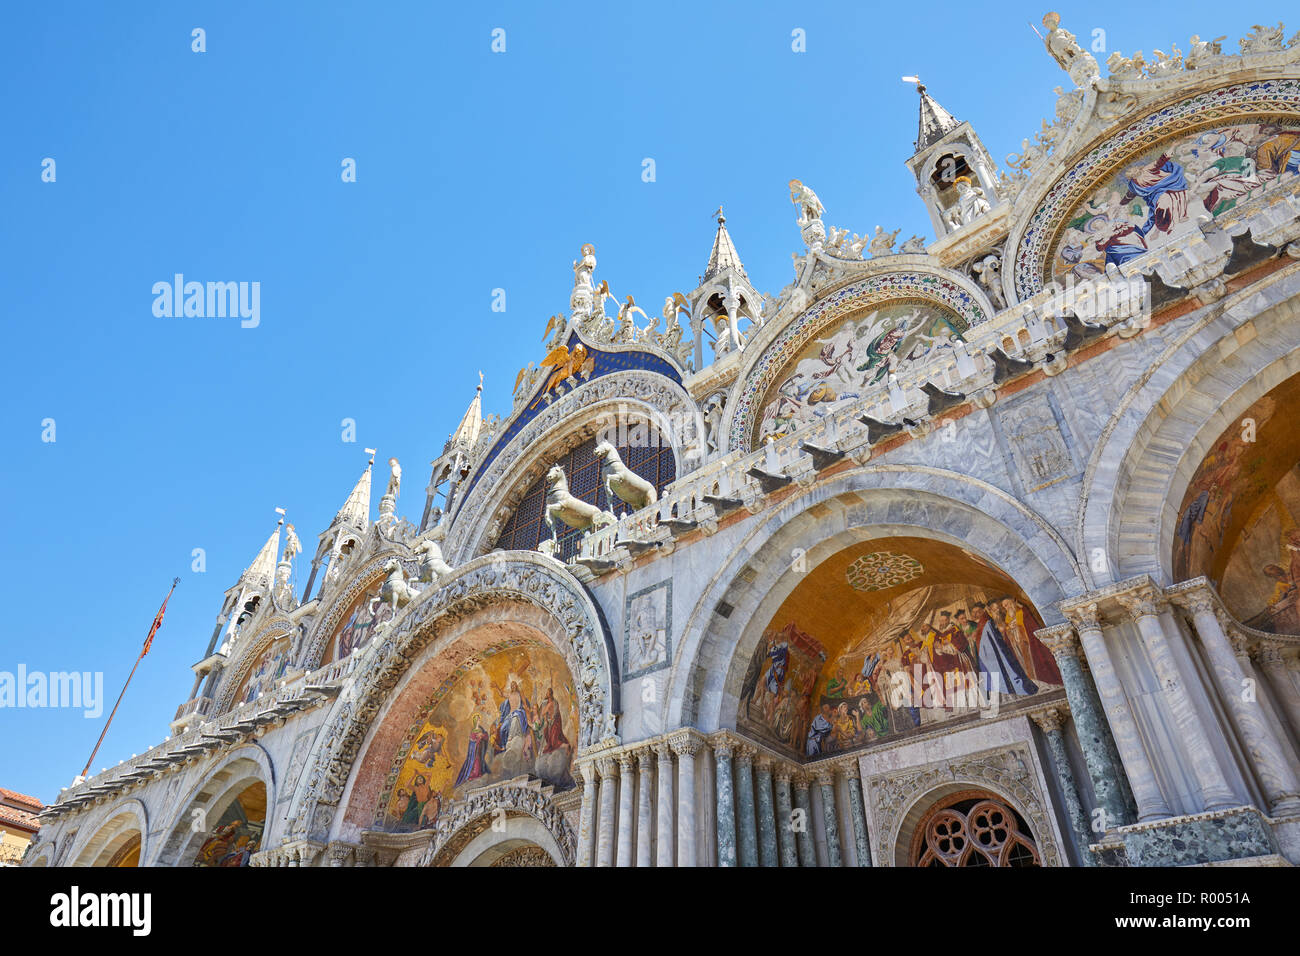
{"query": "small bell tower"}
(452, 466)
(955, 175)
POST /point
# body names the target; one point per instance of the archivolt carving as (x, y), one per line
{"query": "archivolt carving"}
(1004, 771)
(233, 676)
(678, 417)
(482, 583)
(462, 822)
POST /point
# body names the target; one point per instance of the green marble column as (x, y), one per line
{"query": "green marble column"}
(803, 833)
(1049, 722)
(784, 814)
(767, 852)
(1104, 771)
(830, 817)
(746, 845)
(857, 814)
(726, 802)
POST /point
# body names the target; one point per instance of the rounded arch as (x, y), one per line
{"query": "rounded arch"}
(503, 588)
(115, 827)
(908, 837)
(778, 343)
(358, 582)
(874, 501)
(233, 677)
(243, 767)
(468, 837)
(1148, 451)
(569, 420)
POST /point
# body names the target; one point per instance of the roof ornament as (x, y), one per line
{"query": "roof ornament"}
(1072, 58)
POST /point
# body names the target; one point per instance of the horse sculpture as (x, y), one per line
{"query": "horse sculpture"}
(574, 512)
(394, 592)
(622, 482)
(433, 566)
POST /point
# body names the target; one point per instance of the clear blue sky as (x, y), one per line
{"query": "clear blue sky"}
(475, 171)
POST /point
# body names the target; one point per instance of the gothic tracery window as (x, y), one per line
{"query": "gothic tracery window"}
(978, 830)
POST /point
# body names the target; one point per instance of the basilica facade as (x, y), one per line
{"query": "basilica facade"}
(983, 551)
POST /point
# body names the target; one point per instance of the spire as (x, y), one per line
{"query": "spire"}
(724, 255)
(466, 434)
(356, 510)
(259, 572)
(934, 122)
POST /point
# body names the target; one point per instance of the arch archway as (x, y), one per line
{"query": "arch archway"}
(496, 601)
(968, 827)
(225, 817)
(873, 502)
(1168, 421)
(109, 843)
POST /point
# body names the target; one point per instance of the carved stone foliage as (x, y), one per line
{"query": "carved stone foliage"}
(485, 583)
(660, 394)
(529, 856)
(1005, 771)
(459, 823)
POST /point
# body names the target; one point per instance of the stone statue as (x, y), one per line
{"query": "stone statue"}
(1166, 63)
(561, 505)
(622, 482)
(1202, 52)
(1126, 68)
(1263, 39)
(713, 408)
(882, 243)
(810, 207)
(627, 330)
(970, 205)
(913, 246)
(394, 592)
(292, 546)
(433, 566)
(394, 479)
(582, 298)
(988, 271)
(1072, 58)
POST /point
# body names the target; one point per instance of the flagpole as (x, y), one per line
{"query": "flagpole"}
(157, 623)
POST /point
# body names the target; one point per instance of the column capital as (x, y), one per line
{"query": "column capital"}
(1271, 653)
(586, 772)
(607, 767)
(1142, 600)
(1196, 596)
(1060, 639)
(801, 779)
(848, 769)
(723, 745)
(663, 749)
(685, 744)
(645, 758)
(782, 772)
(626, 762)
(825, 776)
(763, 761)
(1049, 718)
(1085, 616)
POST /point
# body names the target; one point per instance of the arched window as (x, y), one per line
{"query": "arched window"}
(645, 452)
(973, 828)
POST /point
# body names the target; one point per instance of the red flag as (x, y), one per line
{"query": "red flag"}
(157, 621)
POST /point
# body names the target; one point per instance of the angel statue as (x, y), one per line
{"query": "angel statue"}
(394, 479)
(567, 365)
(882, 244)
(626, 324)
(810, 207)
(1065, 50)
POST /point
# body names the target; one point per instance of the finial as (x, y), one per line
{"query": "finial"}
(480, 380)
(719, 216)
(371, 453)
(920, 87)
(280, 512)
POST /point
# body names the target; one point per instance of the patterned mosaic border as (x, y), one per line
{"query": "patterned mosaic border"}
(928, 287)
(1244, 100)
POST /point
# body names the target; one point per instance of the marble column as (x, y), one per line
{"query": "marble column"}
(726, 805)
(1150, 801)
(626, 811)
(802, 826)
(605, 834)
(1144, 604)
(746, 844)
(685, 747)
(666, 830)
(1088, 724)
(766, 816)
(587, 822)
(1276, 778)
(1050, 721)
(645, 808)
(1273, 663)
(785, 836)
(830, 817)
(857, 811)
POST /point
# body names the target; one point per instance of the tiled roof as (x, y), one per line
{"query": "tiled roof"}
(18, 818)
(13, 796)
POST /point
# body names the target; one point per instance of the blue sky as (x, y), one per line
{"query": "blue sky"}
(475, 171)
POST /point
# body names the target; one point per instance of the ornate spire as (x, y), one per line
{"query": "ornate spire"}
(356, 510)
(466, 434)
(934, 122)
(724, 255)
(259, 573)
